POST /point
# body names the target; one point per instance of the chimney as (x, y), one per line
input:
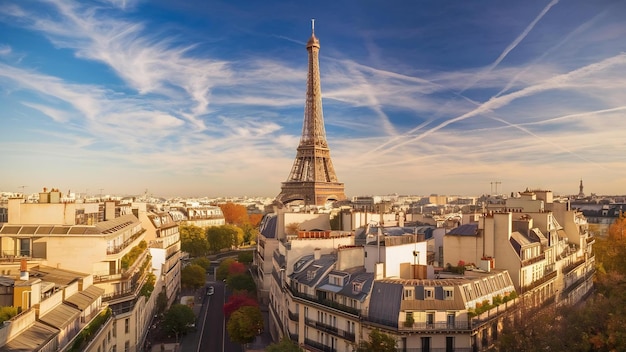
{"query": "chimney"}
(317, 253)
(23, 270)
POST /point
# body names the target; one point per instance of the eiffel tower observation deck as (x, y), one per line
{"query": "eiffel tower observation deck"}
(312, 179)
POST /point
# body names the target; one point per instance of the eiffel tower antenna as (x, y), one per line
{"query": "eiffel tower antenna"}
(312, 178)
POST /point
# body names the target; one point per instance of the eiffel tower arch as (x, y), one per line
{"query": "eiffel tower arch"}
(312, 179)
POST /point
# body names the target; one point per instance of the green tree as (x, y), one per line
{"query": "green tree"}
(378, 342)
(222, 269)
(224, 237)
(241, 282)
(245, 324)
(245, 257)
(193, 276)
(193, 240)
(161, 302)
(178, 319)
(203, 262)
(250, 233)
(285, 345)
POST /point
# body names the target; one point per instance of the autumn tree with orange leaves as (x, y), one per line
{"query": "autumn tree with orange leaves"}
(235, 214)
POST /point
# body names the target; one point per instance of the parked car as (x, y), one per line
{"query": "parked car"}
(210, 291)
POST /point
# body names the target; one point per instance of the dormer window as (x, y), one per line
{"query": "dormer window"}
(429, 293)
(335, 280)
(408, 293)
(357, 287)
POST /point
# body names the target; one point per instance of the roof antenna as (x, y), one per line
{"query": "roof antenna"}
(312, 25)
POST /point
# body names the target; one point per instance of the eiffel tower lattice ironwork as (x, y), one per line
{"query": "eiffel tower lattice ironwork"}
(312, 178)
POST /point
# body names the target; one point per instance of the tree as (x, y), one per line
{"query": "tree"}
(285, 345)
(255, 219)
(245, 324)
(203, 262)
(236, 268)
(241, 282)
(245, 257)
(223, 269)
(378, 342)
(161, 302)
(223, 237)
(178, 319)
(617, 230)
(193, 240)
(234, 213)
(193, 276)
(250, 233)
(238, 300)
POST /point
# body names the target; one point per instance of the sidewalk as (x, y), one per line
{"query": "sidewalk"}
(262, 341)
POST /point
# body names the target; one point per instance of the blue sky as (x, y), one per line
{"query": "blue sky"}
(206, 98)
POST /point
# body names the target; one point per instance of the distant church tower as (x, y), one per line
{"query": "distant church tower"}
(581, 194)
(312, 178)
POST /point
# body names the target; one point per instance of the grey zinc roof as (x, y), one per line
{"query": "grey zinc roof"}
(317, 268)
(268, 226)
(465, 230)
(366, 279)
(31, 339)
(61, 316)
(385, 301)
(85, 298)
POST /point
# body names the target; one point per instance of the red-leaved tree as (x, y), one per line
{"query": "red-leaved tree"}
(238, 300)
(236, 268)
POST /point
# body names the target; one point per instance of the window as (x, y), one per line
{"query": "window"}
(430, 318)
(127, 346)
(126, 325)
(408, 292)
(448, 293)
(450, 320)
(429, 293)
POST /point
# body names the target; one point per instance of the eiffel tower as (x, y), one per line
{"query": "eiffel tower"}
(312, 178)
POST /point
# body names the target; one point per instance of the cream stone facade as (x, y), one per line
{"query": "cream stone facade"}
(543, 244)
(327, 294)
(110, 244)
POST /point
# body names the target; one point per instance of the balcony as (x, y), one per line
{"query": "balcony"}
(326, 303)
(330, 329)
(573, 266)
(117, 249)
(293, 316)
(539, 282)
(318, 346)
(439, 326)
(534, 260)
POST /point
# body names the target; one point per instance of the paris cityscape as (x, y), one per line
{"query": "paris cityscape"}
(210, 177)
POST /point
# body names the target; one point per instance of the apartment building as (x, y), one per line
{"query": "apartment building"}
(54, 305)
(164, 245)
(544, 245)
(105, 240)
(201, 215)
(327, 294)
